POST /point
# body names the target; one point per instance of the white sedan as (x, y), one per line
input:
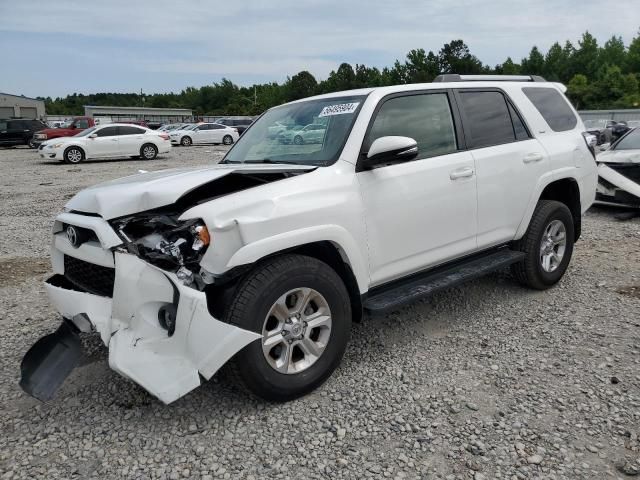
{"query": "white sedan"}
(107, 141)
(204, 133)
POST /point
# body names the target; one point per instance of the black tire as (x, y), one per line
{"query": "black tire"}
(148, 151)
(250, 306)
(73, 155)
(186, 141)
(530, 271)
(31, 142)
(298, 140)
(227, 140)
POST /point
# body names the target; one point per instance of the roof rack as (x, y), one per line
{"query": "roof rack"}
(454, 77)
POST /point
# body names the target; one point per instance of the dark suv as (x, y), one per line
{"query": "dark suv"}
(19, 131)
(240, 124)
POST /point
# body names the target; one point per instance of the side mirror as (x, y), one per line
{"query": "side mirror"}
(93, 135)
(385, 150)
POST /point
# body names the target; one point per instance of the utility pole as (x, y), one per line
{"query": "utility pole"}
(255, 95)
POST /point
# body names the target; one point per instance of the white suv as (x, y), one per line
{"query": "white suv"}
(265, 259)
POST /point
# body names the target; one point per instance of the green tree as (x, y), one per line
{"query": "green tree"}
(301, 85)
(578, 90)
(455, 57)
(534, 63)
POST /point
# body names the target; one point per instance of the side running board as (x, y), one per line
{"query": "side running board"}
(420, 285)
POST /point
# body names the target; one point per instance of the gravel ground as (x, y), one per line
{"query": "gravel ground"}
(484, 381)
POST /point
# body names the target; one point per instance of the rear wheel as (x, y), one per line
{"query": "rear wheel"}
(227, 139)
(73, 155)
(185, 141)
(298, 140)
(302, 309)
(547, 244)
(148, 151)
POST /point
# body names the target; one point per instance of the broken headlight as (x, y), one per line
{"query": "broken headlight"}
(165, 241)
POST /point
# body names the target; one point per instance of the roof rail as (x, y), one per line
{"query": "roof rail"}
(454, 77)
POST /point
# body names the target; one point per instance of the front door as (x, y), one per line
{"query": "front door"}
(105, 144)
(420, 213)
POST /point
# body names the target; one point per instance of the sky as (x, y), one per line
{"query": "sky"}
(57, 47)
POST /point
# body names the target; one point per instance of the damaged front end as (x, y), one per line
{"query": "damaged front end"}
(619, 184)
(136, 280)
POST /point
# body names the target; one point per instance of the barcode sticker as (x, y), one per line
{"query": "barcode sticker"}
(339, 109)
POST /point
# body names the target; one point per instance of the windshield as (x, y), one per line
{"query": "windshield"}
(630, 141)
(309, 132)
(86, 132)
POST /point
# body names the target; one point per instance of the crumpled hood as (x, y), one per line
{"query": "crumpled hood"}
(146, 191)
(619, 156)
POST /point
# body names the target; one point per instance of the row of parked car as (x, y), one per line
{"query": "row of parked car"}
(83, 138)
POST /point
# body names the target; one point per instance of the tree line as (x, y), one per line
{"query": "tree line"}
(597, 77)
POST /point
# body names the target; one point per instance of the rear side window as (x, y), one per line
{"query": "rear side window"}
(487, 120)
(426, 118)
(83, 123)
(553, 107)
(130, 130)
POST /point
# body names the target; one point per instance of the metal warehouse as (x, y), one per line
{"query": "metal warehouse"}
(19, 106)
(622, 114)
(139, 113)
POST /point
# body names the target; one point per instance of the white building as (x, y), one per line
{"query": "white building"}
(162, 115)
(12, 106)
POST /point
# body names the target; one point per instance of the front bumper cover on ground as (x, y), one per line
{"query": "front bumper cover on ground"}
(140, 349)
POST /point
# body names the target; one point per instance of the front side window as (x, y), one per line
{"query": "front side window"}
(553, 107)
(86, 132)
(487, 120)
(426, 118)
(107, 132)
(276, 136)
(631, 141)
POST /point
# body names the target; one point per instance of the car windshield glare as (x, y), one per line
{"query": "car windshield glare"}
(280, 136)
(631, 141)
(86, 132)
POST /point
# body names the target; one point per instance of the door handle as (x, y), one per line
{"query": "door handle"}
(461, 173)
(532, 157)
(114, 139)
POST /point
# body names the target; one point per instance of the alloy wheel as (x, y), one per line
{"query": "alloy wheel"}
(296, 330)
(553, 245)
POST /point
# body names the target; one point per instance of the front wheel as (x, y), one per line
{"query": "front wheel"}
(73, 155)
(227, 139)
(547, 244)
(302, 309)
(31, 142)
(298, 140)
(185, 141)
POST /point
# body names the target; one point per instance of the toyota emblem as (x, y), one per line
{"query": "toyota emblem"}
(72, 236)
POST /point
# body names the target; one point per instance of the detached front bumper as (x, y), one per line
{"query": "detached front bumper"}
(166, 365)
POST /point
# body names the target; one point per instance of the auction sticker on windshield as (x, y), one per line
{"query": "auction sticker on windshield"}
(339, 109)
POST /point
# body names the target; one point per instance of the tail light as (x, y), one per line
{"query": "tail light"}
(591, 141)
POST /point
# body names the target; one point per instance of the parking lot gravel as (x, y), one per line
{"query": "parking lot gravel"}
(484, 381)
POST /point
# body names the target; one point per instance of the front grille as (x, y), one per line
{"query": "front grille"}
(89, 277)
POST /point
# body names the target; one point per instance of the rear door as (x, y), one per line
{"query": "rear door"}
(217, 132)
(508, 161)
(130, 139)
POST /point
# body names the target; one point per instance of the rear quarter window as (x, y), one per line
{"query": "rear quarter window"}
(553, 107)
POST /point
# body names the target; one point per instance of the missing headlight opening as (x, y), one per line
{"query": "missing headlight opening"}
(167, 243)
